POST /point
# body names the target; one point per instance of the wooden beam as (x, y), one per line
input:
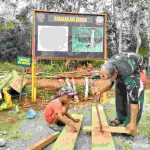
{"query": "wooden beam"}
(100, 140)
(67, 139)
(109, 129)
(44, 142)
(87, 129)
(75, 90)
(86, 93)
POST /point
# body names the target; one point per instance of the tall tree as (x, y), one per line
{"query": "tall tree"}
(121, 23)
(137, 27)
(149, 36)
(114, 20)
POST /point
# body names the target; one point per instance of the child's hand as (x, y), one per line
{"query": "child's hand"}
(76, 120)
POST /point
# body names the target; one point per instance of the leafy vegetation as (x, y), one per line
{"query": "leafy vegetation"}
(7, 66)
(22, 17)
(143, 51)
(20, 29)
(53, 66)
(10, 25)
(45, 94)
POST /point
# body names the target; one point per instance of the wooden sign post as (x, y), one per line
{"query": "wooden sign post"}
(22, 62)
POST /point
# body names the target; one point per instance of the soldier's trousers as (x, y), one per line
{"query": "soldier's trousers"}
(123, 104)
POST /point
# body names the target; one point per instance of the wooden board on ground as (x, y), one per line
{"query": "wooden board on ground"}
(100, 141)
(67, 139)
(44, 142)
(109, 129)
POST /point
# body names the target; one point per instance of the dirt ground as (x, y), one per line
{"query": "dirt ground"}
(48, 85)
(39, 106)
(147, 84)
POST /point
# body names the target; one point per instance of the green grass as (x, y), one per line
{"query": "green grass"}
(147, 98)
(80, 89)
(45, 94)
(52, 67)
(144, 125)
(122, 144)
(27, 90)
(111, 113)
(49, 67)
(8, 67)
(13, 129)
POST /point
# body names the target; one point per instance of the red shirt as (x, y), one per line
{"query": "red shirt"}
(52, 109)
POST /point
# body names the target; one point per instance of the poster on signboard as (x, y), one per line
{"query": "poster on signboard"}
(53, 43)
(87, 39)
(69, 35)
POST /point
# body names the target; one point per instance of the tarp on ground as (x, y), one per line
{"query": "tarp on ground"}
(13, 80)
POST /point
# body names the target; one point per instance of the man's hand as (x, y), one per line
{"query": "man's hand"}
(76, 120)
(95, 91)
(132, 128)
(73, 128)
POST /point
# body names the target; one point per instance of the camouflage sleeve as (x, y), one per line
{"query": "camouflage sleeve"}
(141, 63)
(133, 88)
(138, 61)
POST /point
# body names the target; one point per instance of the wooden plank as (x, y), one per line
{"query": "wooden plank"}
(44, 142)
(67, 139)
(109, 129)
(16, 84)
(100, 140)
(87, 129)
(8, 79)
(75, 90)
(86, 93)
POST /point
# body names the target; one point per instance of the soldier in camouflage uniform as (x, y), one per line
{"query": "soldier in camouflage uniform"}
(126, 70)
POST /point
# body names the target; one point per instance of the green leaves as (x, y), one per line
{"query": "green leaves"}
(144, 51)
(135, 1)
(22, 17)
(10, 25)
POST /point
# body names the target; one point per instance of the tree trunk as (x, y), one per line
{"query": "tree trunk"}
(120, 30)
(137, 33)
(114, 20)
(149, 37)
(78, 5)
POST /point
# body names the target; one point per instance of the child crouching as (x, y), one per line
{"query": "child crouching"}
(57, 110)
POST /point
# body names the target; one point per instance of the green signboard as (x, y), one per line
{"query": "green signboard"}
(23, 61)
